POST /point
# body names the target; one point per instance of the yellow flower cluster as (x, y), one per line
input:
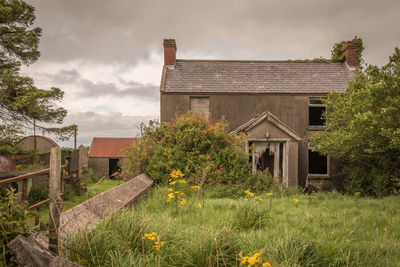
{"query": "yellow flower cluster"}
(178, 196)
(157, 245)
(357, 193)
(151, 236)
(248, 193)
(269, 194)
(255, 260)
(296, 201)
(198, 206)
(176, 174)
(195, 187)
(251, 194)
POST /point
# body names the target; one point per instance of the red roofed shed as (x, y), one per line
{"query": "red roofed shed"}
(105, 154)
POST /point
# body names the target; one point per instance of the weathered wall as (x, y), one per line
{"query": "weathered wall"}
(291, 109)
(6, 164)
(99, 165)
(43, 144)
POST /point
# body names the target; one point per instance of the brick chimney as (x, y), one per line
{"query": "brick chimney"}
(350, 53)
(169, 51)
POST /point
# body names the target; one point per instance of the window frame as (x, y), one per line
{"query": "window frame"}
(322, 175)
(315, 127)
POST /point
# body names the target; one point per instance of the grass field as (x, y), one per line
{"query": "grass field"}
(75, 199)
(321, 229)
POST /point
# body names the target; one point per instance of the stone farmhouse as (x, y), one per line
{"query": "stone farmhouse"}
(276, 103)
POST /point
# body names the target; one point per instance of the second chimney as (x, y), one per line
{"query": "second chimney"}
(169, 51)
(350, 54)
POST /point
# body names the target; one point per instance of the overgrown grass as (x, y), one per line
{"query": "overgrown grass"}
(322, 229)
(75, 199)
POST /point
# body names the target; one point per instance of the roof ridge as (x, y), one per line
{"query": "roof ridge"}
(259, 61)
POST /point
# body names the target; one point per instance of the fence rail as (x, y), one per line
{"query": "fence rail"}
(26, 176)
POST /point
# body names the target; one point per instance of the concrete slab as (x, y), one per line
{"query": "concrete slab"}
(88, 213)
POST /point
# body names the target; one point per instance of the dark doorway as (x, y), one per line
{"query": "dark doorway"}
(266, 161)
(113, 166)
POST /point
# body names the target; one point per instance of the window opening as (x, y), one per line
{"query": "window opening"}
(315, 110)
(317, 163)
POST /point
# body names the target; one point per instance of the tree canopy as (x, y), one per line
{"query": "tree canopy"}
(363, 129)
(22, 104)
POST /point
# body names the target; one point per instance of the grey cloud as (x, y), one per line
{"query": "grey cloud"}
(92, 89)
(126, 31)
(92, 124)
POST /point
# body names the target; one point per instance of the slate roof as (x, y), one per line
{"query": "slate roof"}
(109, 147)
(238, 76)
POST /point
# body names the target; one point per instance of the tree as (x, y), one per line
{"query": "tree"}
(22, 105)
(363, 129)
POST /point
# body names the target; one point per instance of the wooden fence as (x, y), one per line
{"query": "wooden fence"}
(57, 173)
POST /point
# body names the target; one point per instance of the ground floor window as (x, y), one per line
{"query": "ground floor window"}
(317, 163)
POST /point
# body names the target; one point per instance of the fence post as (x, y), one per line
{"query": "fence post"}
(54, 197)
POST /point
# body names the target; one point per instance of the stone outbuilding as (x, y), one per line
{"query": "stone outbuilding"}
(277, 103)
(42, 144)
(105, 154)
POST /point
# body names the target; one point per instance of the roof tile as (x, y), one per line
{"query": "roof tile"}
(215, 76)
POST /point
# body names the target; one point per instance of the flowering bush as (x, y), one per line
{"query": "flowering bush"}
(200, 148)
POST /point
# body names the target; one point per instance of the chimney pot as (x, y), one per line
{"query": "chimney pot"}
(350, 54)
(169, 51)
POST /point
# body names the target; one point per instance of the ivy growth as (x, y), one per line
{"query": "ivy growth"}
(338, 51)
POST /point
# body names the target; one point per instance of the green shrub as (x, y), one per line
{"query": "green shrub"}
(37, 193)
(201, 149)
(89, 177)
(13, 220)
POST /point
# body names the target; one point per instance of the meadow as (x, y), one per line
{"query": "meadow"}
(221, 228)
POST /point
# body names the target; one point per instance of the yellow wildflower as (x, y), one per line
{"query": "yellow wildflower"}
(151, 236)
(182, 181)
(257, 198)
(266, 264)
(170, 189)
(269, 194)
(198, 206)
(295, 200)
(248, 193)
(244, 260)
(357, 193)
(172, 183)
(183, 202)
(158, 245)
(195, 187)
(255, 259)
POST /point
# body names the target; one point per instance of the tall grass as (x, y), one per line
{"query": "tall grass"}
(322, 229)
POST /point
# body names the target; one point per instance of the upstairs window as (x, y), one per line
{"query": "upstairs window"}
(200, 105)
(315, 110)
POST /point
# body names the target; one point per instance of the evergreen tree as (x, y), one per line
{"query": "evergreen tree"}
(22, 105)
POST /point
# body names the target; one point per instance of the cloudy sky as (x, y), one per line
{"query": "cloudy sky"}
(107, 56)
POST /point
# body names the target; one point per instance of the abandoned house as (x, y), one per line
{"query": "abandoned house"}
(105, 154)
(277, 103)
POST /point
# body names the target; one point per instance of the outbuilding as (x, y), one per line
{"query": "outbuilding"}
(106, 154)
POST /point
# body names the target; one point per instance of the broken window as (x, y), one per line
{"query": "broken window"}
(199, 105)
(315, 110)
(317, 163)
